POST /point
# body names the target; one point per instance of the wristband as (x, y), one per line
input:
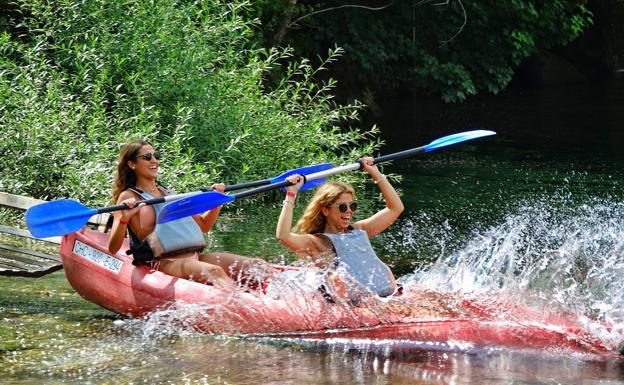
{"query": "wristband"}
(124, 222)
(291, 194)
(381, 179)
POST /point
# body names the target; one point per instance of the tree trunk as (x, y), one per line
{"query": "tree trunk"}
(285, 22)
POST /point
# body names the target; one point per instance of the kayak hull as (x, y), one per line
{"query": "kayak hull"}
(112, 282)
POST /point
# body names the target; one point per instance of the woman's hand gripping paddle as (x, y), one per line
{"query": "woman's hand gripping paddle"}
(65, 216)
(206, 201)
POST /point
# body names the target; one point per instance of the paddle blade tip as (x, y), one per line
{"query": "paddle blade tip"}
(60, 217)
(458, 138)
(481, 133)
(192, 205)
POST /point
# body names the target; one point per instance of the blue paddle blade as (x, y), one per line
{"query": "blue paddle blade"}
(192, 205)
(305, 171)
(59, 217)
(457, 138)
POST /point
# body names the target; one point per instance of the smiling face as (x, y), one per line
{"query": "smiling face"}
(336, 220)
(320, 209)
(144, 168)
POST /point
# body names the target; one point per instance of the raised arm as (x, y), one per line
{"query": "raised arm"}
(300, 243)
(381, 220)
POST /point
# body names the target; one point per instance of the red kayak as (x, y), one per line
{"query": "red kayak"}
(419, 316)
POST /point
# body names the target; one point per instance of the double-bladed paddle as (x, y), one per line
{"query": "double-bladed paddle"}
(208, 200)
(65, 216)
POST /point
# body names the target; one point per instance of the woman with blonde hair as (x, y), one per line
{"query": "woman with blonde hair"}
(325, 233)
(176, 247)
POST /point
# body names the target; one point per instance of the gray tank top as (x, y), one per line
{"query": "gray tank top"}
(174, 237)
(355, 253)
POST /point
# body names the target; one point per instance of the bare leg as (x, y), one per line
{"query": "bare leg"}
(190, 268)
(240, 268)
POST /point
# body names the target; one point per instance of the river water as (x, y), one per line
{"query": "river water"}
(534, 215)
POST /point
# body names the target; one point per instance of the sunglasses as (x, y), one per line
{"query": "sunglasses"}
(148, 156)
(342, 207)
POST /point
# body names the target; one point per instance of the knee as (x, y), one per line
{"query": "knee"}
(208, 273)
(257, 266)
(215, 275)
(252, 262)
(213, 269)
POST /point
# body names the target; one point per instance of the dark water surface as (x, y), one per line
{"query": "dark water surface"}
(535, 212)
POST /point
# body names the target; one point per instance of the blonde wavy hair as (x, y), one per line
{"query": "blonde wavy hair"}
(313, 221)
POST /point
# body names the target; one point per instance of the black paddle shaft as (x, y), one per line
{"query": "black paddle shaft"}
(266, 185)
(335, 170)
(239, 186)
(155, 201)
(146, 202)
(261, 189)
(400, 155)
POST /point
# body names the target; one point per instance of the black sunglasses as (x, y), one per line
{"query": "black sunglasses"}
(148, 156)
(342, 207)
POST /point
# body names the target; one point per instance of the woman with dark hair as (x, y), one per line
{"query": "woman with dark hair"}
(176, 247)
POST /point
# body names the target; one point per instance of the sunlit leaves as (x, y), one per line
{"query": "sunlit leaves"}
(87, 76)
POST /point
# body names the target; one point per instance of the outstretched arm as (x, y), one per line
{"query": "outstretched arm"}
(381, 220)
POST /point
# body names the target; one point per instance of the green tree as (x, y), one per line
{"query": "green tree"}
(451, 48)
(80, 77)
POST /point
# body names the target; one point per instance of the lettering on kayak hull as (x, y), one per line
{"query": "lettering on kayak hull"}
(96, 256)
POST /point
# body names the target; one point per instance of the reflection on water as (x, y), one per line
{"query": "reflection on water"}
(118, 352)
(404, 364)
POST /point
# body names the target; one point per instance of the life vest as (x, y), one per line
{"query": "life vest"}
(355, 253)
(167, 239)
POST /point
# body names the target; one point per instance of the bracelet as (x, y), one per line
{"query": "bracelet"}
(291, 194)
(381, 179)
(124, 222)
(287, 201)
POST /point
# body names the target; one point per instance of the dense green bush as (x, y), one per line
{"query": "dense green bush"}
(453, 49)
(78, 78)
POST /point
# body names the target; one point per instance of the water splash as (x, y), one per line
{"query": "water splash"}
(551, 263)
(555, 260)
(550, 254)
